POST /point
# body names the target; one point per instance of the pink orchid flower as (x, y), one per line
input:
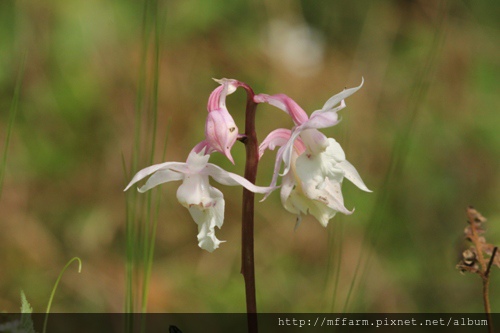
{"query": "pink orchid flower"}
(221, 131)
(204, 202)
(315, 165)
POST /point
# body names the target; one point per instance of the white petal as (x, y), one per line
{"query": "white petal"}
(159, 177)
(352, 174)
(197, 161)
(335, 151)
(218, 207)
(321, 212)
(207, 219)
(298, 203)
(231, 84)
(228, 178)
(334, 198)
(288, 150)
(194, 190)
(315, 141)
(277, 166)
(328, 193)
(312, 169)
(207, 210)
(151, 169)
(287, 186)
(320, 119)
(334, 100)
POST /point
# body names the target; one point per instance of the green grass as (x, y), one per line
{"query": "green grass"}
(12, 118)
(52, 294)
(143, 210)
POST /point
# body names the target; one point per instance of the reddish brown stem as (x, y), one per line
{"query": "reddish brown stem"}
(247, 227)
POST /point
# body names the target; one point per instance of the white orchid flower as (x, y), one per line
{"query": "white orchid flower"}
(315, 165)
(204, 202)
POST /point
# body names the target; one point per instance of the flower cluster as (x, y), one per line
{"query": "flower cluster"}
(314, 165)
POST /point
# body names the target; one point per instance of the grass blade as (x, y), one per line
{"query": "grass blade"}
(12, 118)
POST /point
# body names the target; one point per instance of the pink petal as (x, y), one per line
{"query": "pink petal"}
(285, 103)
(221, 132)
(277, 137)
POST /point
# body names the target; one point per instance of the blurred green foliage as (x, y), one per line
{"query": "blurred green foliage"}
(423, 133)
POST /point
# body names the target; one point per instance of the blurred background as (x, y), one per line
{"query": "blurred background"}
(423, 132)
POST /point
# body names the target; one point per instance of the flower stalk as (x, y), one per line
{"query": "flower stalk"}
(247, 217)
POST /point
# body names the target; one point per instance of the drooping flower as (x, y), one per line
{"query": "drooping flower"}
(221, 131)
(315, 165)
(325, 117)
(204, 202)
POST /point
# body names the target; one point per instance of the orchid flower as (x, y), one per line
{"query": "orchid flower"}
(315, 165)
(204, 202)
(221, 131)
(326, 117)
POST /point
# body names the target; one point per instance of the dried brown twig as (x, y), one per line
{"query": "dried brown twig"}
(480, 256)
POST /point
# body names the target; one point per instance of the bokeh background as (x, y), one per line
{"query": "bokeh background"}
(423, 132)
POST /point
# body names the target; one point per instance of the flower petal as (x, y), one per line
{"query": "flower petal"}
(287, 150)
(278, 137)
(285, 103)
(151, 169)
(352, 174)
(228, 178)
(320, 119)
(287, 186)
(277, 166)
(330, 195)
(203, 146)
(321, 212)
(195, 191)
(159, 177)
(217, 99)
(334, 100)
(207, 218)
(221, 132)
(327, 116)
(214, 99)
(197, 161)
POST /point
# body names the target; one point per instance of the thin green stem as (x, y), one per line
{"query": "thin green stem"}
(55, 288)
(12, 117)
(150, 221)
(338, 261)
